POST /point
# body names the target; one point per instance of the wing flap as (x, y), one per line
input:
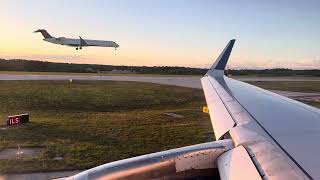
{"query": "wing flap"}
(247, 130)
(293, 126)
(236, 164)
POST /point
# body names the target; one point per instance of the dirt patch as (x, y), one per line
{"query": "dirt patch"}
(175, 115)
(308, 98)
(58, 158)
(20, 153)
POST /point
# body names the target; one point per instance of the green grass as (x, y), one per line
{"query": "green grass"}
(91, 123)
(298, 86)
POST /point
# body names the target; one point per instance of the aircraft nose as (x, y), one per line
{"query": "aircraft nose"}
(116, 45)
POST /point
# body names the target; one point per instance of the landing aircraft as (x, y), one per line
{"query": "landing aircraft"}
(260, 135)
(78, 43)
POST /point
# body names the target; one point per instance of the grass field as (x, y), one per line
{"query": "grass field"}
(298, 86)
(91, 123)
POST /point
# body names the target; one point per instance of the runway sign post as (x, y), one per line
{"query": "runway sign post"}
(205, 109)
(17, 119)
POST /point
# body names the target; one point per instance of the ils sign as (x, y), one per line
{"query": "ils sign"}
(17, 119)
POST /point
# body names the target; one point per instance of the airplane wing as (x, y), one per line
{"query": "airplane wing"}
(260, 135)
(280, 134)
(83, 42)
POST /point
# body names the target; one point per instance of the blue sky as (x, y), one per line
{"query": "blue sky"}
(162, 32)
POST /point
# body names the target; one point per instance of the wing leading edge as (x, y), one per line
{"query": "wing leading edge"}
(279, 133)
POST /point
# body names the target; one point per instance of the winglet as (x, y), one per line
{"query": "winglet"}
(222, 60)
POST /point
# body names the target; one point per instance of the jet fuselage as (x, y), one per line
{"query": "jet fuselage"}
(78, 43)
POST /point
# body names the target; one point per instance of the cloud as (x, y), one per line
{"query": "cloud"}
(308, 64)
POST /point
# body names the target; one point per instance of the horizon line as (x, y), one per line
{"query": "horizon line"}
(48, 61)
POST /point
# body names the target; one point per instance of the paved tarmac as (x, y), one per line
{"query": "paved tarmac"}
(39, 175)
(185, 81)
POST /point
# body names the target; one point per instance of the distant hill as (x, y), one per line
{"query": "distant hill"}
(44, 66)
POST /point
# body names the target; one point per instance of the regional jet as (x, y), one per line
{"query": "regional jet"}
(259, 135)
(78, 43)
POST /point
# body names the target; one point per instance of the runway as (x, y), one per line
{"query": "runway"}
(183, 81)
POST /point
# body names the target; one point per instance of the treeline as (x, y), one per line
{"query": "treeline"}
(43, 66)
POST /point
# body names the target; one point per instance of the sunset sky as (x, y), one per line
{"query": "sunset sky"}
(191, 33)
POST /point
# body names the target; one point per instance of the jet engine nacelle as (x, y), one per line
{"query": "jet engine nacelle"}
(191, 162)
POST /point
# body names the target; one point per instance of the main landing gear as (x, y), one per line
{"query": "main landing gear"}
(77, 48)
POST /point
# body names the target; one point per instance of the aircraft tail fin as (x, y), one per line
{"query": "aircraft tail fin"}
(44, 33)
(221, 62)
